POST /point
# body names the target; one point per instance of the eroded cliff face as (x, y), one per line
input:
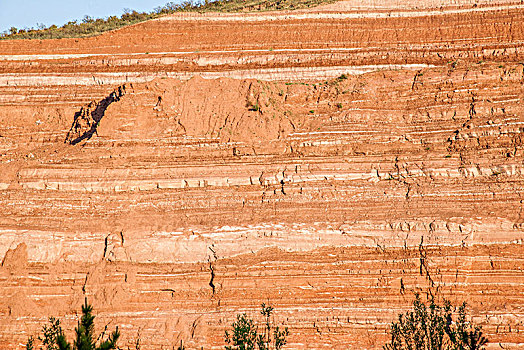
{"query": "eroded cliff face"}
(177, 189)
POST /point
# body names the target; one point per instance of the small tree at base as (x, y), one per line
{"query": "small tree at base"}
(433, 328)
(54, 338)
(245, 336)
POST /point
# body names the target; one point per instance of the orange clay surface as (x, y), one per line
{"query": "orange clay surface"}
(329, 161)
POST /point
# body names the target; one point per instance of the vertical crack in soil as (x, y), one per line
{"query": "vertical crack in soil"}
(211, 284)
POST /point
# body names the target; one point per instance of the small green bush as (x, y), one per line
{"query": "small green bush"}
(53, 337)
(245, 335)
(433, 328)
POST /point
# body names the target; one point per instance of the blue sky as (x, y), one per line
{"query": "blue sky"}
(27, 13)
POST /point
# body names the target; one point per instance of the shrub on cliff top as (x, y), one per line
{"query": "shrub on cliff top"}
(53, 337)
(432, 327)
(90, 26)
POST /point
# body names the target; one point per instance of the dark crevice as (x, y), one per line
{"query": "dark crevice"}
(212, 268)
(211, 282)
(85, 284)
(105, 246)
(87, 120)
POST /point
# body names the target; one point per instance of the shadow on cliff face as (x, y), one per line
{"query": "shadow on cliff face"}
(230, 110)
(87, 120)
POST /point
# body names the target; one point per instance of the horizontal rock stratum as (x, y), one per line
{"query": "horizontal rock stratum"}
(329, 161)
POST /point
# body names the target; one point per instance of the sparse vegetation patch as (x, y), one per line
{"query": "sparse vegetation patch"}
(89, 26)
